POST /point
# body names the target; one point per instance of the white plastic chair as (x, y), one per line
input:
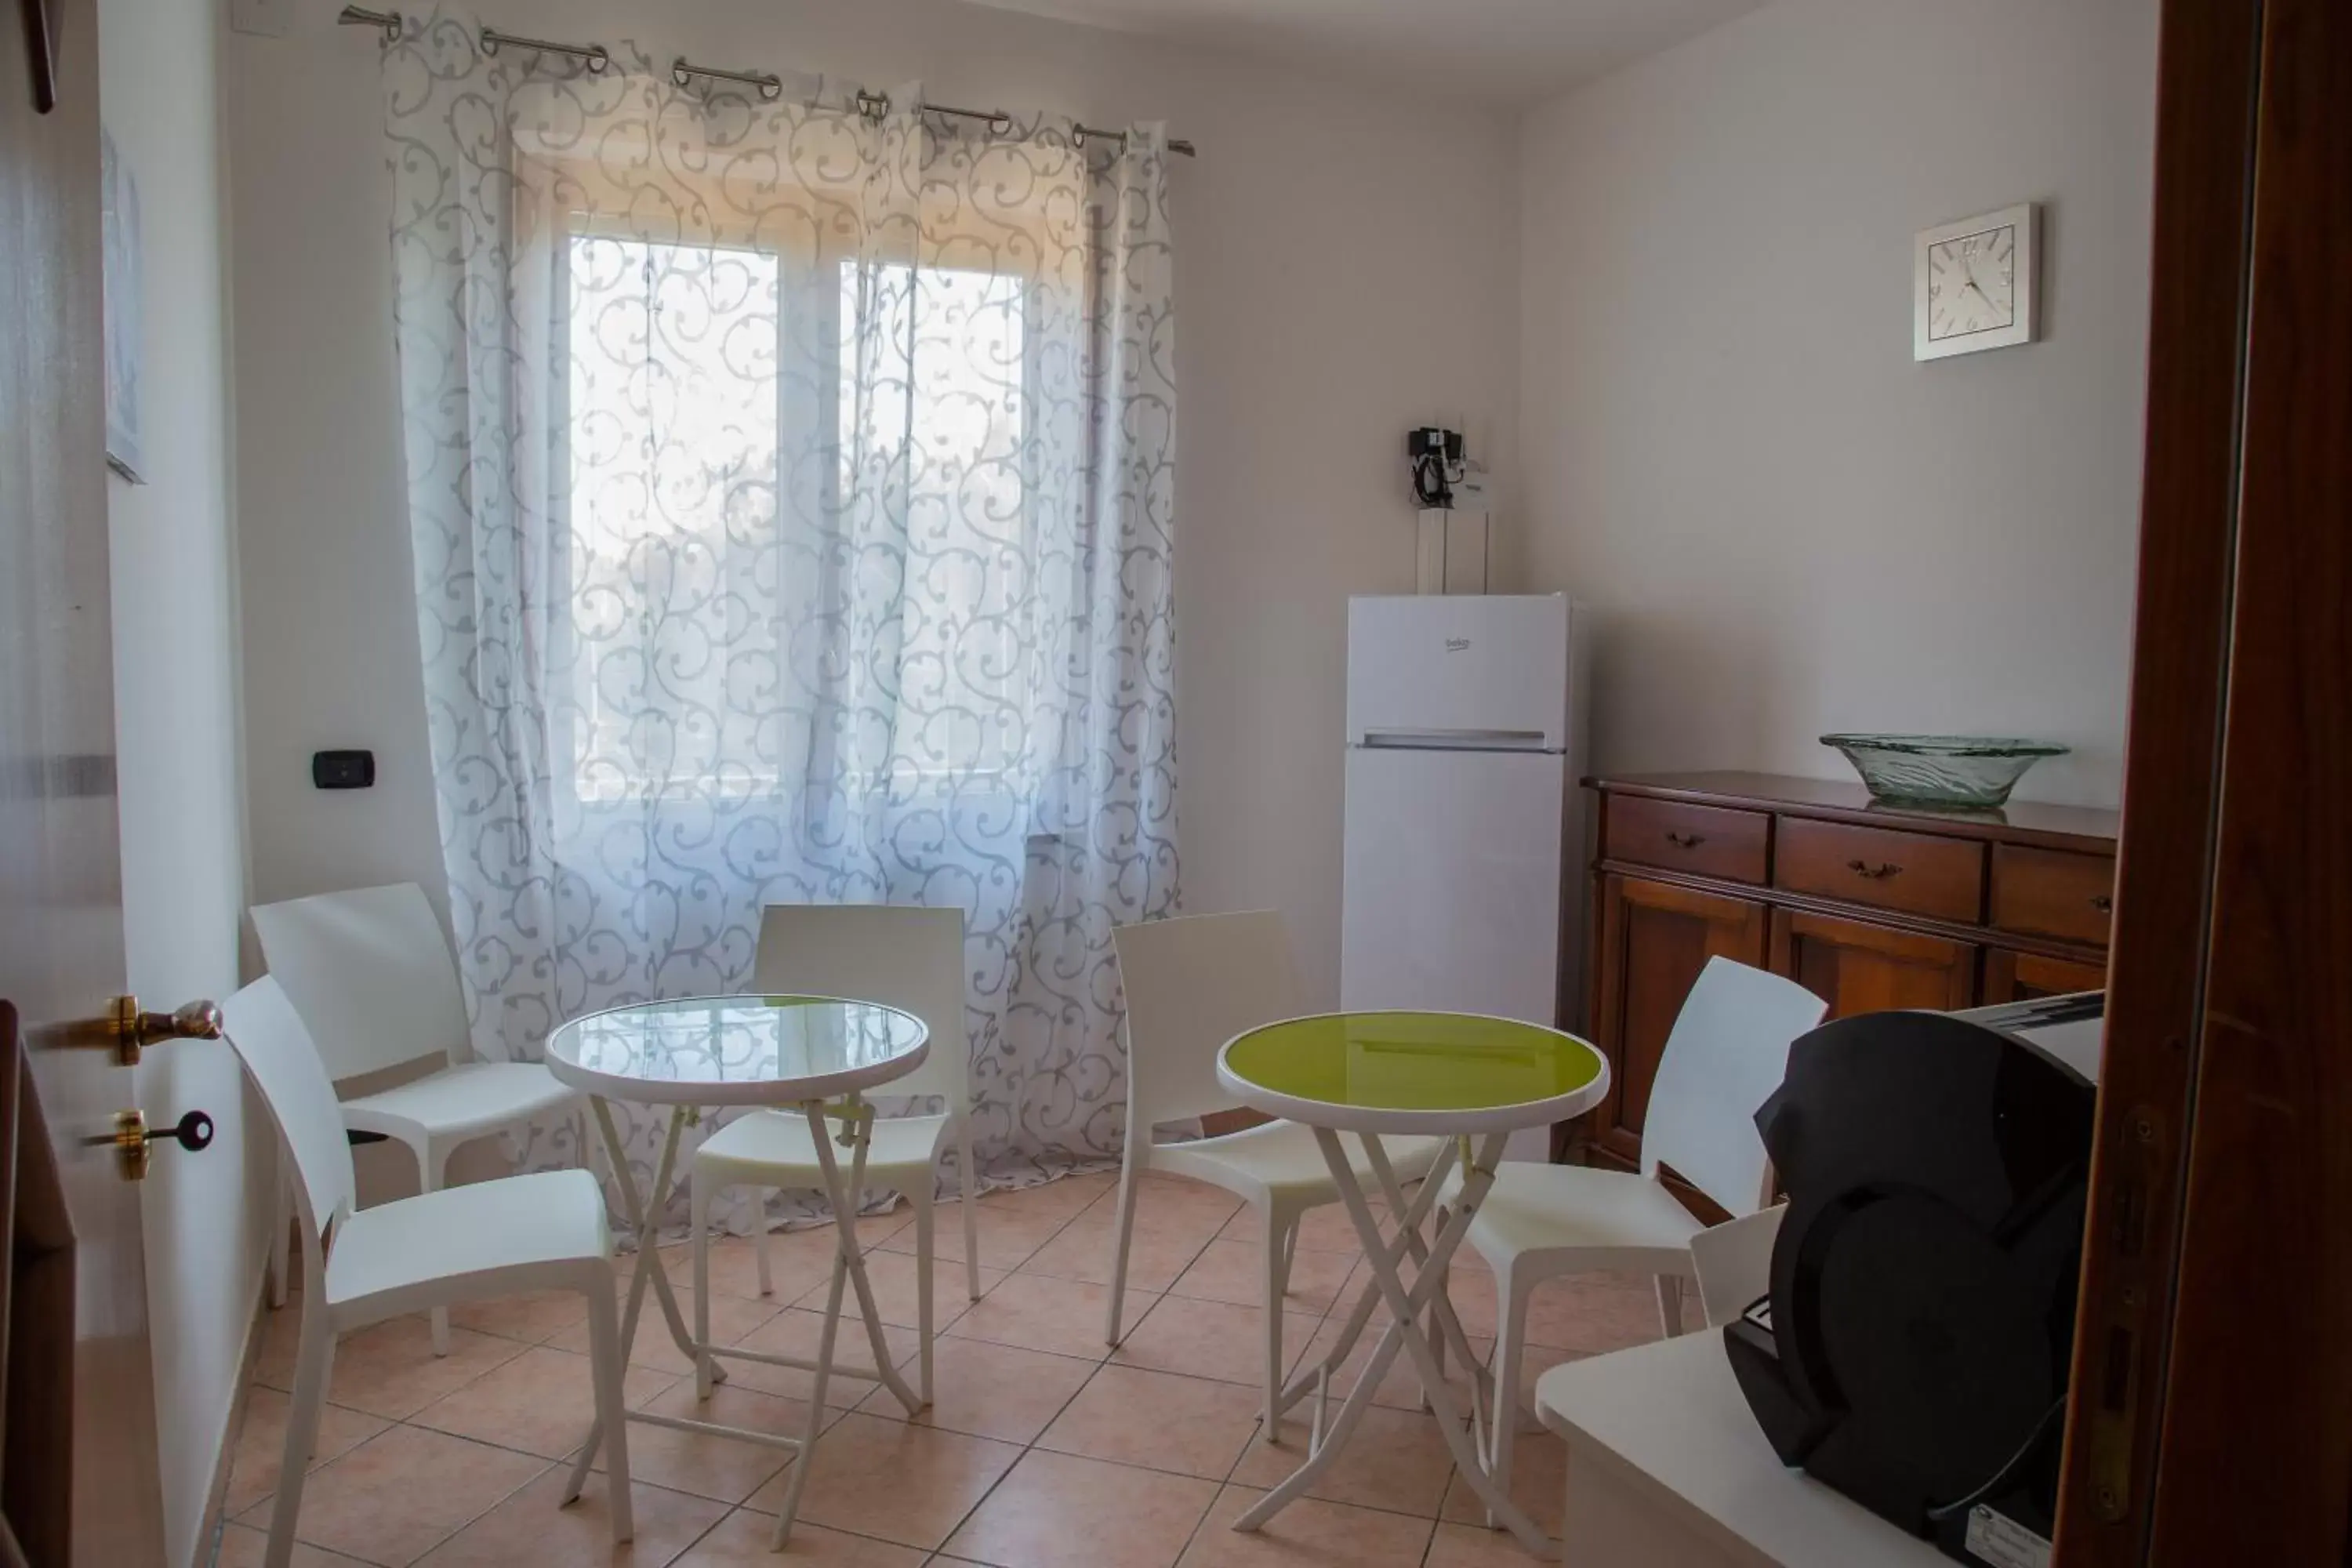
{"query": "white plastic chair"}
(1726, 1053)
(543, 1232)
(1191, 985)
(1733, 1262)
(897, 955)
(371, 977)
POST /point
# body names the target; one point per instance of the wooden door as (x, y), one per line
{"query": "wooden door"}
(1654, 939)
(94, 1500)
(2210, 1418)
(1858, 966)
(2011, 976)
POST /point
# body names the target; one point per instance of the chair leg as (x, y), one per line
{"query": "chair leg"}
(433, 1173)
(699, 1210)
(1510, 1348)
(923, 1314)
(313, 1367)
(1437, 1340)
(1128, 1182)
(608, 1366)
(760, 1239)
(282, 1239)
(971, 1220)
(1670, 1304)
(1280, 1229)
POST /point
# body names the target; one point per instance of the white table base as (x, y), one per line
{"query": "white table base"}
(1464, 1434)
(856, 1118)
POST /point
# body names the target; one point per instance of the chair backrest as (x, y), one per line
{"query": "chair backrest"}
(1726, 1053)
(268, 1035)
(896, 954)
(371, 975)
(1192, 983)
(1734, 1262)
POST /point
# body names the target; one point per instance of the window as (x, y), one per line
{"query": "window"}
(738, 468)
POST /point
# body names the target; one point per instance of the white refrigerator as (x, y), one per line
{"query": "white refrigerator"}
(1465, 840)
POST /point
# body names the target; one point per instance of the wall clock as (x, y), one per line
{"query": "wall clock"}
(1972, 284)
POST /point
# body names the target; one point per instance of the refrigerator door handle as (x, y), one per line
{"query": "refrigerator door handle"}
(1456, 740)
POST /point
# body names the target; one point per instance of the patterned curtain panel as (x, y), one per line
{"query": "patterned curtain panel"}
(792, 486)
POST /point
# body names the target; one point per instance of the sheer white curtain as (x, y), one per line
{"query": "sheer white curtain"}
(792, 490)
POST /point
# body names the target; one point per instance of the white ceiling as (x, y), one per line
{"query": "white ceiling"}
(1514, 51)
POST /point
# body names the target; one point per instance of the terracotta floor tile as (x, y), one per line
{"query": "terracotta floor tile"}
(742, 1542)
(1401, 1389)
(261, 1443)
(1592, 1314)
(1395, 1459)
(990, 1390)
(795, 1262)
(892, 1276)
(400, 1493)
(534, 1528)
(1309, 1533)
(1064, 1195)
(732, 1318)
(894, 1480)
(1061, 1317)
(1056, 1510)
(389, 1369)
(1325, 1228)
(1193, 1425)
(532, 1317)
(1538, 1484)
(1208, 1338)
(242, 1546)
(724, 1469)
(1476, 1546)
(795, 1332)
(1082, 1251)
(1234, 1271)
(1171, 1204)
(1007, 1236)
(541, 1401)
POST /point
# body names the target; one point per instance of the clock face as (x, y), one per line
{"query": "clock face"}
(1972, 284)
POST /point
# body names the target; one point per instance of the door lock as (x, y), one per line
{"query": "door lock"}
(132, 1139)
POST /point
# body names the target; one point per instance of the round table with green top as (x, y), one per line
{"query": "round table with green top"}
(1467, 1078)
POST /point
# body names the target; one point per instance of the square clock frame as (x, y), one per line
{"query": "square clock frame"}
(1973, 283)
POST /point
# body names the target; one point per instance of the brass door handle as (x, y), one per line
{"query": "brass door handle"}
(1681, 840)
(1879, 873)
(126, 1031)
(133, 1138)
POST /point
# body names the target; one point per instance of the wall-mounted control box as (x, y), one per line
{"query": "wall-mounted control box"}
(343, 770)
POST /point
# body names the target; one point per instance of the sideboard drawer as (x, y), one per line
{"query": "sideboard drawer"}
(1916, 872)
(1704, 840)
(2052, 892)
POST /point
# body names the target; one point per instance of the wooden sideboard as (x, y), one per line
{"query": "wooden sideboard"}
(1869, 905)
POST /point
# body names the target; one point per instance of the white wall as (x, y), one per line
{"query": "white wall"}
(1788, 526)
(1305, 238)
(176, 721)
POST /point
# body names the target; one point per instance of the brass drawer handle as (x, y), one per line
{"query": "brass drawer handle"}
(2103, 904)
(1879, 873)
(1685, 840)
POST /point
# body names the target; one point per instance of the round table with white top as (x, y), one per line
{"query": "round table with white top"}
(817, 1055)
(1456, 1076)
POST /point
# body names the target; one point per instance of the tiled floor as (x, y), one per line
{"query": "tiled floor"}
(1042, 1450)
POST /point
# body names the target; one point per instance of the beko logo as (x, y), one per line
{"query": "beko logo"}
(1457, 645)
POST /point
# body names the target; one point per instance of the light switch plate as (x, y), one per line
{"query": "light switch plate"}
(262, 18)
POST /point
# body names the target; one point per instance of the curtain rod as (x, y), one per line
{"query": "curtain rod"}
(768, 84)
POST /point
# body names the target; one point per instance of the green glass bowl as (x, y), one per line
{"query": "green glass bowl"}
(1941, 769)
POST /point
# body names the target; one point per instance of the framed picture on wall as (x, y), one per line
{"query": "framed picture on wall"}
(124, 320)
